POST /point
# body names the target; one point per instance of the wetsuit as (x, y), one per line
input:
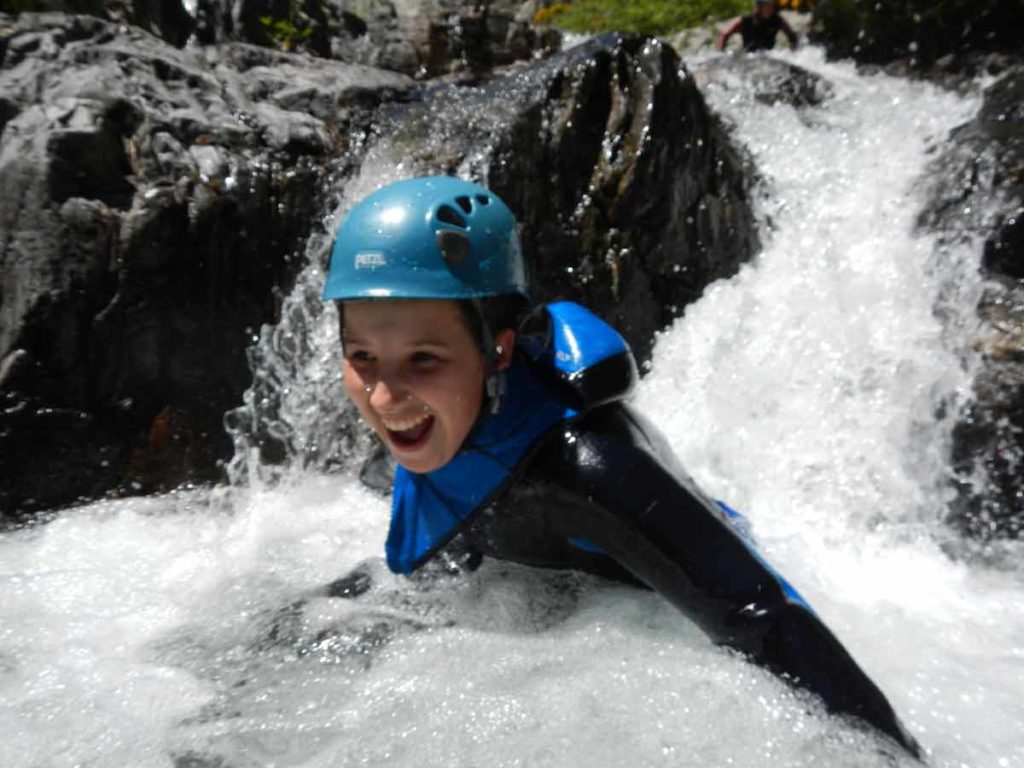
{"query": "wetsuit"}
(566, 475)
(759, 34)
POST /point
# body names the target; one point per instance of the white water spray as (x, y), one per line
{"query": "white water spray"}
(166, 632)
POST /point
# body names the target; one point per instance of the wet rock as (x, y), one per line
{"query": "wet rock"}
(772, 81)
(152, 202)
(919, 32)
(978, 191)
(422, 38)
(630, 197)
(166, 19)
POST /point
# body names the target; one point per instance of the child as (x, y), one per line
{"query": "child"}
(513, 439)
(759, 28)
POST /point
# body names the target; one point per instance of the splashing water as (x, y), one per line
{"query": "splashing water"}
(182, 631)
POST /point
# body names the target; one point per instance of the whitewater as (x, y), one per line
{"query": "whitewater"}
(815, 390)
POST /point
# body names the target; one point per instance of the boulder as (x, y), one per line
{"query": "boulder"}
(772, 81)
(978, 192)
(154, 205)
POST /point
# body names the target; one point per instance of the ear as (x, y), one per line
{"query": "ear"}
(504, 342)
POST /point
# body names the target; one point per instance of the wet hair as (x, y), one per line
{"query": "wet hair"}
(498, 312)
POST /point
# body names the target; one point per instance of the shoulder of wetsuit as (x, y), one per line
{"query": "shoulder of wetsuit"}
(611, 424)
(578, 357)
(610, 444)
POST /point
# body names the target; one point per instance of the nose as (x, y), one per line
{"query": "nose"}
(384, 392)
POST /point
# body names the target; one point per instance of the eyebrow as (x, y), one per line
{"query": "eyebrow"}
(427, 342)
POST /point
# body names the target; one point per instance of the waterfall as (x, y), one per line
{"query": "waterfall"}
(813, 390)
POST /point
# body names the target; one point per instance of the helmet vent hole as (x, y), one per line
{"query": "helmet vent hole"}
(483, 199)
(449, 215)
(464, 203)
(454, 246)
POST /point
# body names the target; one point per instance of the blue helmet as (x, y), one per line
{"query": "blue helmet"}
(434, 237)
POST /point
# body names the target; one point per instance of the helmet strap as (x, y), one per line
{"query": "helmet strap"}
(496, 384)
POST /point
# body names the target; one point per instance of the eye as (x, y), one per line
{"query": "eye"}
(424, 358)
(359, 357)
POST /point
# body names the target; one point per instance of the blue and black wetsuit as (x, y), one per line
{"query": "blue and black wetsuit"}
(566, 475)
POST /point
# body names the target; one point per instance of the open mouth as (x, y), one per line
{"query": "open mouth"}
(409, 436)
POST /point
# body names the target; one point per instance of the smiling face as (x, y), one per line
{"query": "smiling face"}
(416, 374)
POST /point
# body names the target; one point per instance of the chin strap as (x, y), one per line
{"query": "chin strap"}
(496, 383)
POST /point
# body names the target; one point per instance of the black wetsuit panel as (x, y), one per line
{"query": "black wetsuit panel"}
(611, 479)
(759, 34)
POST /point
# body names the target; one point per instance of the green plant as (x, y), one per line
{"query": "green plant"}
(649, 17)
(287, 32)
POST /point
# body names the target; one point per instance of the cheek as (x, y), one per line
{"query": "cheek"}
(464, 400)
(354, 387)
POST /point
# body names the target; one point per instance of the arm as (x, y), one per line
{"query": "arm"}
(731, 30)
(787, 30)
(646, 514)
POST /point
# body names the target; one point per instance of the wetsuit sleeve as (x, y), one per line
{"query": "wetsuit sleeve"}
(732, 29)
(644, 511)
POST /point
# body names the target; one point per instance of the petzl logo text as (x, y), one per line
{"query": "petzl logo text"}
(370, 260)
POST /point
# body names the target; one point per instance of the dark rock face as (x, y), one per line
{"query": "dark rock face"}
(629, 195)
(919, 31)
(152, 202)
(979, 190)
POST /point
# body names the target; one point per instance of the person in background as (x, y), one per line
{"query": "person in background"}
(759, 28)
(513, 439)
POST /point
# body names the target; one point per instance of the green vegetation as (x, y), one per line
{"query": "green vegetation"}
(291, 30)
(649, 17)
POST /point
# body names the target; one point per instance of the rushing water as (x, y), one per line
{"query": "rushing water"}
(191, 630)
